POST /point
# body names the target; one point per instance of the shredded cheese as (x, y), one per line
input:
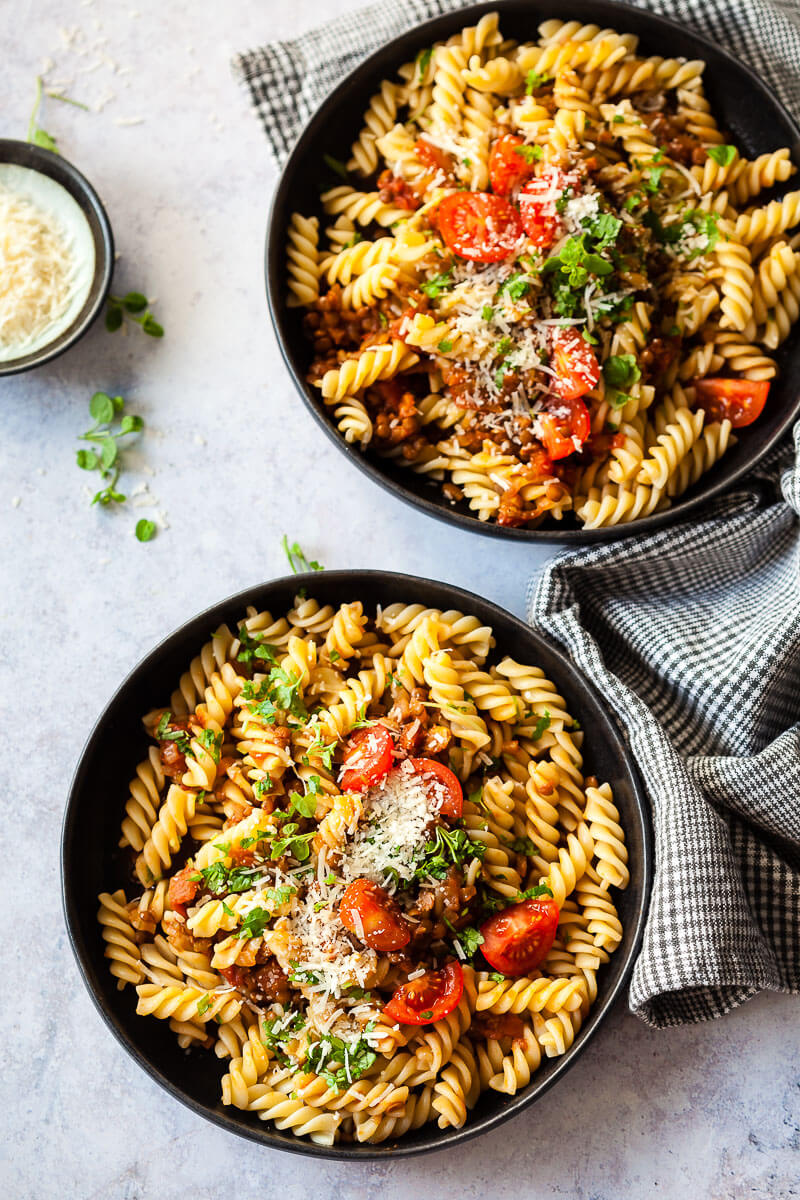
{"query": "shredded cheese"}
(43, 278)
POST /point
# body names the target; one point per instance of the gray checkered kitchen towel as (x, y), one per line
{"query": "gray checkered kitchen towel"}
(691, 634)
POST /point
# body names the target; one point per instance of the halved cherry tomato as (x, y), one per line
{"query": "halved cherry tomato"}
(509, 165)
(183, 889)
(433, 156)
(370, 912)
(451, 802)
(428, 998)
(740, 401)
(575, 363)
(570, 420)
(368, 758)
(518, 938)
(537, 207)
(479, 226)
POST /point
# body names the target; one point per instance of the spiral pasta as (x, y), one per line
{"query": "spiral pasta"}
(331, 760)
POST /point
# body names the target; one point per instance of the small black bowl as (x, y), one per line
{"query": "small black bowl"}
(90, 861)
(24, 154)
(743, 104)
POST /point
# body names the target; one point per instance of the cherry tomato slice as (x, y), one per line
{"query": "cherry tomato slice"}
(509, 164)
(428, 998)
(537, 207)
(446, 792)
(578, 370)
(570, 420)
(373, 916)
(740, 401)
(368, 758)
(518, 938)
(183, 889)
(479, 226)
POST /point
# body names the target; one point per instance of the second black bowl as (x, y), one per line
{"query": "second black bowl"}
(743, 104)
(91, 862)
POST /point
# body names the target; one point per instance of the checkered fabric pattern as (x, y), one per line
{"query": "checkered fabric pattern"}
(691, 634)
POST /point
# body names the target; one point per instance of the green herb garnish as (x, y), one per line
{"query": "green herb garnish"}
(134, 304)
(722, 155)
(297, 559)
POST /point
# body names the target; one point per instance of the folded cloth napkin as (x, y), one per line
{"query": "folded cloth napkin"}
(692, 634)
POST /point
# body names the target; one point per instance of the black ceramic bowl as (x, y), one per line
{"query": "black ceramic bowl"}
(743, 104)
(91, 862)
(24, 154)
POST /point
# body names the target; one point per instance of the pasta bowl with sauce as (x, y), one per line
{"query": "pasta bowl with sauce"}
(58, 256)
(477, 366)
(175, 835)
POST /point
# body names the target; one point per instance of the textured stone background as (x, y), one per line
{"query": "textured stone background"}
(709, 1111)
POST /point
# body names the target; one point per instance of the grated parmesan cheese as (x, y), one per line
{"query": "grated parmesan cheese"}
(397, 815)
(47, 260)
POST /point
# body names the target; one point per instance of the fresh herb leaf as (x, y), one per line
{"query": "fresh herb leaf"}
(524, 845)
(423, 60)
(297, 559)
(134, 304)
(335, 165)
(531, 154)
(203, 1005)
(722, 155)
(145, 530)
(514, 287)
(211, 743)
(621, 371)
(541, 726)
(440, 283)
(36, 135)
(487, 312)
(533, 893)
(445, 344)
(534, 80)
(470, 939)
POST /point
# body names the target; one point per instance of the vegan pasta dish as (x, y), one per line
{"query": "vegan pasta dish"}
(369, 873)
(545, 279)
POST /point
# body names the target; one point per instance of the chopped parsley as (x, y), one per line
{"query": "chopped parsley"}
(211, 743)
(447, 847)
(444, 345)
(531, 154)
(541, 725)
(487, 312)
(524, 845)
(514, 287)
(340, 1063)
(722, 155)
(470, 939)
(164, 733)
(423, 60)
(440, 283)
(203, 1005)
(534, 80)
(254, 647)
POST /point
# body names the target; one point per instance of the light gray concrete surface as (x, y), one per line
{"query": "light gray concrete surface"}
(232, 461)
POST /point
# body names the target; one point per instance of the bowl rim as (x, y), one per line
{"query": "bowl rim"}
(16, 152)
(262, 1133)
(274, 279)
